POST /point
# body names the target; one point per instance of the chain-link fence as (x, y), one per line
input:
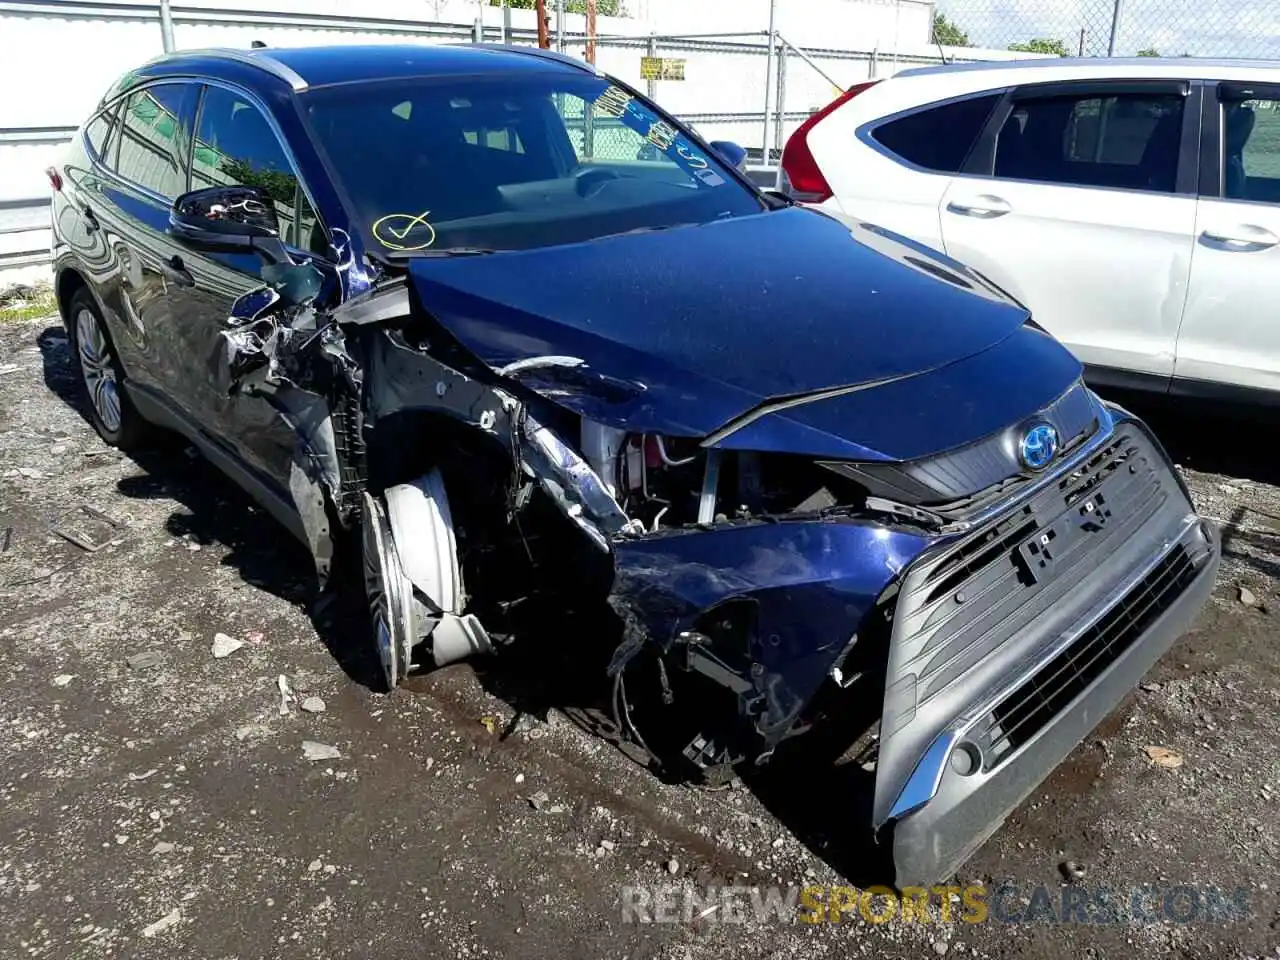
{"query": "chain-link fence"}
(1098, 28)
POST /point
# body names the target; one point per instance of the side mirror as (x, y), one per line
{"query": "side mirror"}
(226, 220)
(730, 153)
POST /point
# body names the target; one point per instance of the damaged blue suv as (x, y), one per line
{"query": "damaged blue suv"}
(492, 323)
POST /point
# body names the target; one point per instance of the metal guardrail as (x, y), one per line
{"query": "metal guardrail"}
(34, 136)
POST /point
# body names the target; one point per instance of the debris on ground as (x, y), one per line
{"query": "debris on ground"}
(312, 705)
(224, 646)
(319, 751)
(163, 847)
(146, 775)
(89, 529)
(1164, 757)
(252, 731)
(170, 919)
(1071, 871)
(673, 866)
(489, 722)
(286, 695)
(1247, 597)
(539, 800)
(62, 679)
(145, 660)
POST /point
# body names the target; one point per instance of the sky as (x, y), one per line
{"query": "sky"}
(1209, 28)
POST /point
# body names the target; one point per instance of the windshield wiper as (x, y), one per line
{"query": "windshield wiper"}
(448, 252)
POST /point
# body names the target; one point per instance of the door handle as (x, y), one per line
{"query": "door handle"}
(983, 207)
(91, 223)
(174, 269)
(1245, 236)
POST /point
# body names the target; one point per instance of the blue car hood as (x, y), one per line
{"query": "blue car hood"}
(681, 331)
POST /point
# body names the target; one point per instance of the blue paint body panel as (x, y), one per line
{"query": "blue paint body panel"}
(711, 321)
(813, 582)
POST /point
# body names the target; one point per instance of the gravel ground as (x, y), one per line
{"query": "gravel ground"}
(169, 809)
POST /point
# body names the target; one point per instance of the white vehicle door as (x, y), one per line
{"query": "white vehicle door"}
(1080, 201)
(1231, 332)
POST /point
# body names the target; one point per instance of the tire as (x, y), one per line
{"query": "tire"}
(110, 410)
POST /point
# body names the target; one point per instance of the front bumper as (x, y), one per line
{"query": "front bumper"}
(1092, 635)
(965, 810)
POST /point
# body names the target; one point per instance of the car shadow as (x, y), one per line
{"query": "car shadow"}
(1221, 438)
(217, 512)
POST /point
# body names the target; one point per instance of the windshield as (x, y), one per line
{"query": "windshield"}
(468, 164)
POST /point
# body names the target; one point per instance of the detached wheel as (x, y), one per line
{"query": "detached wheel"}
(110, 410)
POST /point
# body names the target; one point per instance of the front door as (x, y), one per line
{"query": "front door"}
(1231, 332)
(236, 144)
(1086, 218)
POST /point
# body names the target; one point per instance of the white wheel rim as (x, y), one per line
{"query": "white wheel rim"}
(98, 370)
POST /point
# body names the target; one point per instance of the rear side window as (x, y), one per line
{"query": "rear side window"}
(154, 139)
(1126, 141)
(1251, 150)
(236, 145)
(938, 138)
(98, 131)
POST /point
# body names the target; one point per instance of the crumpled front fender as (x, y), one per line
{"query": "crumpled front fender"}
(812, 583)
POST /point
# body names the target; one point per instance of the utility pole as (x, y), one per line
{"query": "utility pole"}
(166, 26)
(768, 75)
(560, 25)
(1115, 27)
(591, 31)
(544, 22)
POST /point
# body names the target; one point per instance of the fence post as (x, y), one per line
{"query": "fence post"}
(166, 26)
(560, 25)
(653, 52)
(506, 22)
(768, 75)
(477, 31)
(1115, 27)
(780, 107)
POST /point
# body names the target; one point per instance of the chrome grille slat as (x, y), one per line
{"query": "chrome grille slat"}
(1132, 505)
(1145, 509)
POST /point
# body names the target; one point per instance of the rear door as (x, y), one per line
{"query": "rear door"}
(1079, 200)
(1231, 332)
(130, 212)
(926, 146)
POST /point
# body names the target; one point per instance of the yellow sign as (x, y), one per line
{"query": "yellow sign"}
(661, 68)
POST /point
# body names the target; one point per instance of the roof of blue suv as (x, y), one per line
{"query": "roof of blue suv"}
(306, 67)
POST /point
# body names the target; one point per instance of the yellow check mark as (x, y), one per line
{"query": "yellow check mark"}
(394, 235)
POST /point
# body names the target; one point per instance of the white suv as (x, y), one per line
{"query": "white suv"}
(1132, 205)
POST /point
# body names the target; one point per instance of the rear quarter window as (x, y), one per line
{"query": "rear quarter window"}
(939, 137)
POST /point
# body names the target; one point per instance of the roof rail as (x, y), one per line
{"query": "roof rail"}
(260, 60)
(535, 52)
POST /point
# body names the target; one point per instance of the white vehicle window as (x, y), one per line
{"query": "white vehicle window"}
(1126, 141)
(1251, 150)
(940, 137)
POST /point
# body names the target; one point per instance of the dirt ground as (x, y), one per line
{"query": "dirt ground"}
(169, 810)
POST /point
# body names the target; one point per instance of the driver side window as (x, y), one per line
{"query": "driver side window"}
(236, 146)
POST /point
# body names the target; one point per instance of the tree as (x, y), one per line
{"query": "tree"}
(1148, 52)
(947, 33)
(605, 8)
(1042, 45)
